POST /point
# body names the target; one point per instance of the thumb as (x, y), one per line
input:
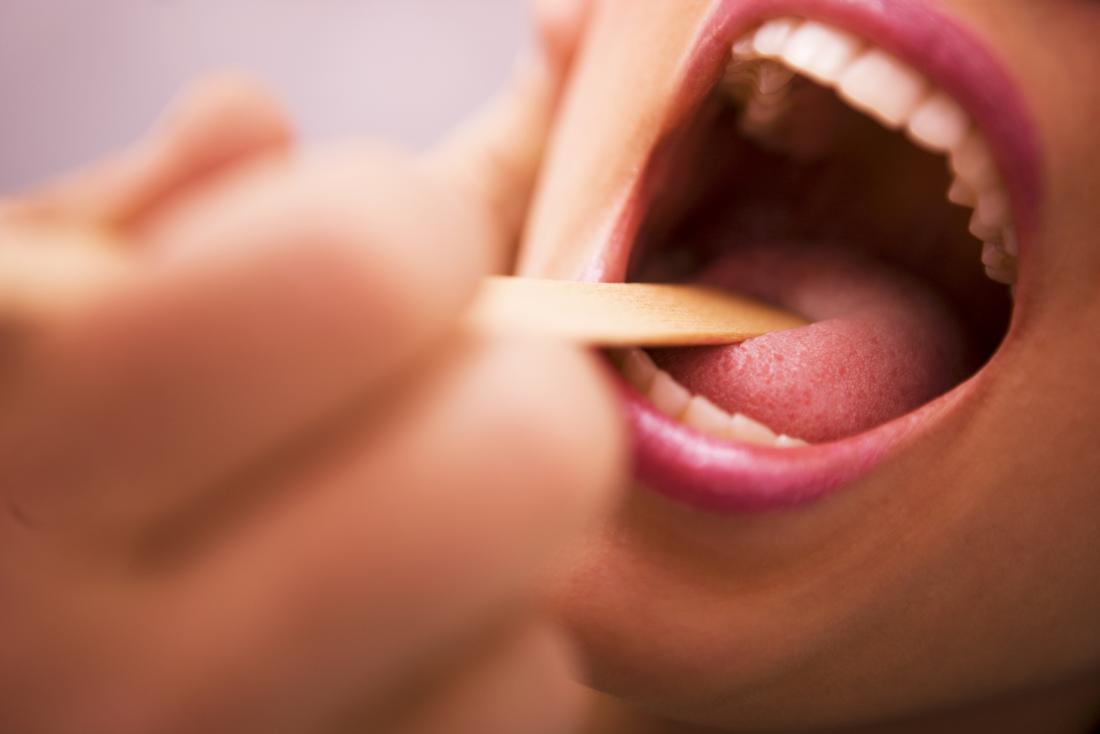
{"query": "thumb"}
(494, 158)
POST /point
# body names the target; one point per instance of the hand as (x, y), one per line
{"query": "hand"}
(253, 477)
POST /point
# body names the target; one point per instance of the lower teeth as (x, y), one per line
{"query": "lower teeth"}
(675, 401)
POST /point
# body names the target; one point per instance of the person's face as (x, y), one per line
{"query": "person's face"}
(956, 558)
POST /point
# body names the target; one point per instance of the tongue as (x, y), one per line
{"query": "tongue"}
(883, 344)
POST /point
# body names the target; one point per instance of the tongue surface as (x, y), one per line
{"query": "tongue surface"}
(883, 343)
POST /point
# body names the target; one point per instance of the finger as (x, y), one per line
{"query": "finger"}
(42, 283)
(288, 297)
(561, 26)
(523, 687)
(63, 246)
(404, 539)
(216, 124)
(495, 157)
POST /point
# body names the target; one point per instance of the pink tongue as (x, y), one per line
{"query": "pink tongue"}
(882, 344)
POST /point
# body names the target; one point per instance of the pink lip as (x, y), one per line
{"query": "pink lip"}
(725, 477)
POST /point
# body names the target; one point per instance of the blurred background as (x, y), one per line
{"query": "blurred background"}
(79, 78)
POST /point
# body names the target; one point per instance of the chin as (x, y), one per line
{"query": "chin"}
(849, 522)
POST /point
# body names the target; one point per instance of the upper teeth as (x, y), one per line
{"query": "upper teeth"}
(889, 90)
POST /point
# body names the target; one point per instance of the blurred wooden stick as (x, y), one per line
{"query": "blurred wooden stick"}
(623, 314)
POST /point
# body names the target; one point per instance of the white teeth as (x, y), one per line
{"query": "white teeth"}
(939, 124)
(976, 175)
(1007, 276)
(696, 411)
(883, 87)
(746, 429)
(973, 163)
(960, 193)
(745, 47)
(999, 265)
(820, 52)
(993, 209)
(639, 370)
(669, 396)
(887, 89)
(705, 416)
(773, 78)
(771, 37)
(766, 86)
(983, 231)
(994, 257)
(786, 442)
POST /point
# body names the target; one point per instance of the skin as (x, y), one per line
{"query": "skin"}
(224, 362)
(212, 490)
(952, 590)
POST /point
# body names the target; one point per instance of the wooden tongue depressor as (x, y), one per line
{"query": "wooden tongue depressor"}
(617, 315)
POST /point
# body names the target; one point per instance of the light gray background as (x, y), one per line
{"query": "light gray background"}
(80, 77)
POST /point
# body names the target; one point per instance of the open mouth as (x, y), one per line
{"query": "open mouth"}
(823, 174)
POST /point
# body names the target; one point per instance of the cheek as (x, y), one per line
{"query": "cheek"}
(885, 602)
(703, 619)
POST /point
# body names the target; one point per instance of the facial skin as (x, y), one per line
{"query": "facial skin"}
(953, 587)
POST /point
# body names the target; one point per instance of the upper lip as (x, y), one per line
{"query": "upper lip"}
(721, 475)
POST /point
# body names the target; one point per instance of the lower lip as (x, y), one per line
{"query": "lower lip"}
(719, 476)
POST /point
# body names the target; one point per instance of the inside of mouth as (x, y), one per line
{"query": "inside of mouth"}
(786, 190)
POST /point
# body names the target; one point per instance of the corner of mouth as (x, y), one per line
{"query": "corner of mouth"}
(713, 472)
